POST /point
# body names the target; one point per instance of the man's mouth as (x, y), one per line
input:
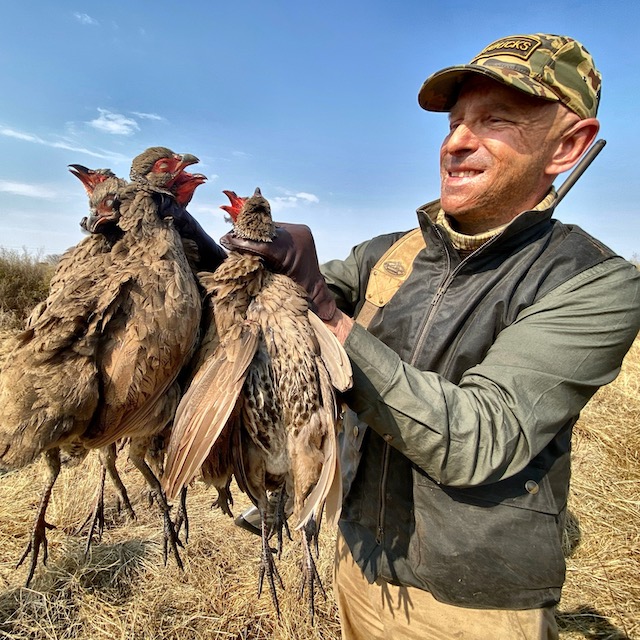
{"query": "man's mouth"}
(463, 174)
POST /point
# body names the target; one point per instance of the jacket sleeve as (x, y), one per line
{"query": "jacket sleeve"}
(537, 376)
(343, 279)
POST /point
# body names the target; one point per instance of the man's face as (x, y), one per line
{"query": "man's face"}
(493, 161)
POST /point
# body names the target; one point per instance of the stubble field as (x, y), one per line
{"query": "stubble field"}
(123, 590)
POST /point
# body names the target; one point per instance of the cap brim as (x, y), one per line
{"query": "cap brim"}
(439, 91)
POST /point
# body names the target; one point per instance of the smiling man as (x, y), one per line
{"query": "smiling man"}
(468, 381)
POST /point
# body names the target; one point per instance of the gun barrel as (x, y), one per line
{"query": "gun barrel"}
(580, 168)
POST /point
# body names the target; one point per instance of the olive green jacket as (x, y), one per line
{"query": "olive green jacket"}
(471, 379)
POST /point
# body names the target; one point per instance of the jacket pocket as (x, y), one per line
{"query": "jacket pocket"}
(351, 441)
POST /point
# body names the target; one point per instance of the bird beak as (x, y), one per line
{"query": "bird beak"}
(88, 177)
(236, 204)
(179, 163)
(185, 185)
(186, 160)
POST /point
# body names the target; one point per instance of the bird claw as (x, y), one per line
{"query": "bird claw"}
(279, 525)
(310, 576)
(171, 539)
(269, 569)
(182, 517)
(38, 539)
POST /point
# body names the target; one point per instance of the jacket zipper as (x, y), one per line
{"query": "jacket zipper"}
(383, 483)
(435, 303)
(450, 274)
(386, 452)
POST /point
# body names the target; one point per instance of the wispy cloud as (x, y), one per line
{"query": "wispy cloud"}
(147, 116)
(85, 19)
(27, 190)
(114, 123)
(292, 200)
(60, 144)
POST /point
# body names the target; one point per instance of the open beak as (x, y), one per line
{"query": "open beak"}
(180, 163)
(236, 204)
(88, 177)
(185, 185)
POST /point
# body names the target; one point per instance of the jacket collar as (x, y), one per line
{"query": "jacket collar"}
(520, 226)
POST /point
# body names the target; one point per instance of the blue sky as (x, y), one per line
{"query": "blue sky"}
(315, 102)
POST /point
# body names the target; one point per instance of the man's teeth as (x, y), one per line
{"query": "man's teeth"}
(463, 174)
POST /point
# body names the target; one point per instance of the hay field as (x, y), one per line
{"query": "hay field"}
(122, 590)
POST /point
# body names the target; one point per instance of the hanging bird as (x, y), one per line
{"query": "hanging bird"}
(264, 400)
(182, 188)
(89, 258)
(100, 361)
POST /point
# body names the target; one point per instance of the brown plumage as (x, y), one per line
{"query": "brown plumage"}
(100, 359)
(263, 403)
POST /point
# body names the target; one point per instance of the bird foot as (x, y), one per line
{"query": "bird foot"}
(127, 507)
(95, 520)
(268, 568)
(224, 502)
(280, 526)
(38, 539)
(310, 576)
(182, 517)
(172, 540)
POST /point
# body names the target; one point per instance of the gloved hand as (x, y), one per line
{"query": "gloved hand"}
(292, 253)
(211, 254)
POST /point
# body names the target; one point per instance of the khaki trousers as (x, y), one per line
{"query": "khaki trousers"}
(381, 611)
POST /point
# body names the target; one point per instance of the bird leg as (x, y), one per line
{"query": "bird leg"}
(182, 518)
(279, 524)
(267, 563)
(108, 458)
(310, 575)
(224, 501)
(170, 537)
(39, 531)
(95, 519)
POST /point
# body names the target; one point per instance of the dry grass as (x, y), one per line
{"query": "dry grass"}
(24, 281)
(123, 591)
(602, 595)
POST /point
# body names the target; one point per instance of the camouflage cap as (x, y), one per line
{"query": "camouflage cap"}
(544, 65)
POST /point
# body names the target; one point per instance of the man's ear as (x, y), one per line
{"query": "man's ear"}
(573, 143)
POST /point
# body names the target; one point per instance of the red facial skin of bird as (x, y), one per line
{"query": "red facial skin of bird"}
(184, 186)
(236, 205)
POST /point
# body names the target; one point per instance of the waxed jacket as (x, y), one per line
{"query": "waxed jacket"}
(470, 380)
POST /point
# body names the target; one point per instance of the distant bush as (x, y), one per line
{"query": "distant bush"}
(24, 282)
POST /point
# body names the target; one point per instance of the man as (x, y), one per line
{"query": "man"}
(467, 383)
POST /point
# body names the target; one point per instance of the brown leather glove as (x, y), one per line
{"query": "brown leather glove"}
(292, 253)
(210, 253)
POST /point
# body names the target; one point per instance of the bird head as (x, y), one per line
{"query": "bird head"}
(104, 206)
(90, 177)
(159, 167)
(185, 185)
(236, 205)
(251, 217)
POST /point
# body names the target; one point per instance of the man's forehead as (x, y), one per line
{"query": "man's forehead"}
(491, 93)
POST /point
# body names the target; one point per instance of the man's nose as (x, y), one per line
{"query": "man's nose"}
(461, 139)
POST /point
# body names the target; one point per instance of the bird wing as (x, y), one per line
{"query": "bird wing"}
(206, 407)
(333, 354)
(328, 485)
(149, 332)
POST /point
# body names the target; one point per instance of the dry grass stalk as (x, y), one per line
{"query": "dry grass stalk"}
(123, 590)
